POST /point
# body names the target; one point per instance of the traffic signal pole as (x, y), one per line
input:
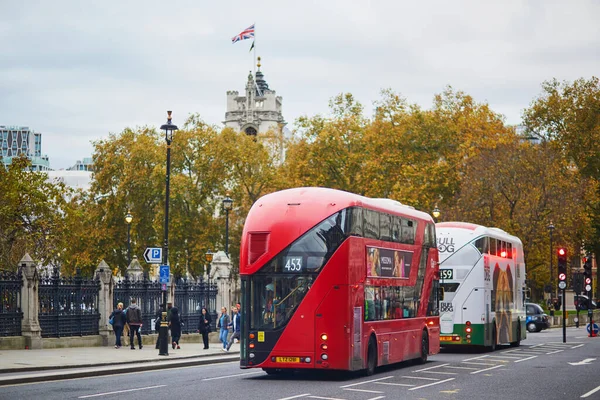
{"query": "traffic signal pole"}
(562, 285)
(564, 307)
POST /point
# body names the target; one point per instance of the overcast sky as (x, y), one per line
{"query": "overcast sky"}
(78, 70)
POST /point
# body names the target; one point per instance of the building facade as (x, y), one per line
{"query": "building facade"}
(16, 141)
(86, 165)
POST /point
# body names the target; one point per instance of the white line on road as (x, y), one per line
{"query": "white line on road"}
(474, 358)
(366, 391)
(396, 384)
(451, 366)
(476, 363)
(377, 398)
(325, 398)
(231, 376)
(504, 357)
(420, 377)
(360, 383)
(439, 372)
(525, 359)
(579, 345)
(431, 384)
(427, 369)
(295, 397)
(554, 352)
(591, 392)
(486, 369)
(119, 391)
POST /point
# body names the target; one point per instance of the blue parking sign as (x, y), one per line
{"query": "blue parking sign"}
(164, 273)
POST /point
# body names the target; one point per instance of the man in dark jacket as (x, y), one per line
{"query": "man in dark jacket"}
(134, 319)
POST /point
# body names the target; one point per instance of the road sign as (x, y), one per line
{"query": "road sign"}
(588, 288)
(562, 277)
(595, 329)
(164, 287)
(562, 284)
(164, 274)
(153, 255)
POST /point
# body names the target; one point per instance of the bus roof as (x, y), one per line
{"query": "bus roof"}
(475, 230)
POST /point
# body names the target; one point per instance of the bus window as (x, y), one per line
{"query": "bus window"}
(385, 227)
(450, 287)
(429, 239)
(396, 229)
(492, 247)
(437, 294)
(356, 221)
(371, 224)
(483, 245)
(408, 231)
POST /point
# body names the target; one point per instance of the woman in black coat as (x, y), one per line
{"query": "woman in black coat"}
(119, 320)
(204, 326)
(175, 325)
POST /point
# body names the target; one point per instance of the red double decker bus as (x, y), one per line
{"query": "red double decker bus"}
(336, 281)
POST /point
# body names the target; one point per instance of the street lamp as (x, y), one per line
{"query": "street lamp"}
(551, 229)
(227, 205)
(436, 213)
(209, 257)
(128, 219)
(163, 333)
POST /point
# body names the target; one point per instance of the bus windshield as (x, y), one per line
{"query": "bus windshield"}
(279, 287)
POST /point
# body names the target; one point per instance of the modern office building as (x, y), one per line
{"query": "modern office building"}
(86, 165)
(21, 140)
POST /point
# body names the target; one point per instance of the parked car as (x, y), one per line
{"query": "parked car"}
(536, 320)
(582, 302)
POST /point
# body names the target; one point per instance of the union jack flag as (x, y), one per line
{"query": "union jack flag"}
(247, 33)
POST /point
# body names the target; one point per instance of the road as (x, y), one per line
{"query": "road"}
(542, 367)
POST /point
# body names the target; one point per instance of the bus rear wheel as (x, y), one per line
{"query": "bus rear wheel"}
(371, 357)
(492, 347)
(424, 347)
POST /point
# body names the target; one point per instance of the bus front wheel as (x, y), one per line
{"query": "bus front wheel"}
(492, 347)
(371, 357)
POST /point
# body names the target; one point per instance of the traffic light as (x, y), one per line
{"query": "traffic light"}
(562, 264)
(587, 267)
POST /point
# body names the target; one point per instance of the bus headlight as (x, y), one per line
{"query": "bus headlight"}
(307, 359)
(251, 355)
(324, 356)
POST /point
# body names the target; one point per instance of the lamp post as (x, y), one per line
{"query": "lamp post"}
(436, 213)
(163, 333)
(551, 229)
(128, 219)
(209, 257)
(227, 205)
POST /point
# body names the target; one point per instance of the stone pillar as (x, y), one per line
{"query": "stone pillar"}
(103, 274)
(135, 270)
(220, 274)
(30, 303)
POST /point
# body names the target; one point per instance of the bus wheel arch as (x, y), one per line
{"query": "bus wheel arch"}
(371, 355)
(492, 347)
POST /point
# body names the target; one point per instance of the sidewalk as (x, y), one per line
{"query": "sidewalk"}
(23, 366)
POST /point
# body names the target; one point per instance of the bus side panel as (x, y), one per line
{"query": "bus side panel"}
(332, 318)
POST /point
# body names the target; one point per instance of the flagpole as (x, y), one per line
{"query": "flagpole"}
(254, 48)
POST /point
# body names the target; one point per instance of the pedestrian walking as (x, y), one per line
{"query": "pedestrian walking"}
(175, 325)
(134, 319)
(204, 326)
(235, 325)
(118, 322)
(223, 324)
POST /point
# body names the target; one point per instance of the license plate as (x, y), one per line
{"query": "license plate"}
(446, 338)
(287, 359)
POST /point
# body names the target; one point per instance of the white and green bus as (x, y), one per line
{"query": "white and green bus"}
(482, 272)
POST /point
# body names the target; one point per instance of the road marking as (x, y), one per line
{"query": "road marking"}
(554, 352)
(360, 383)
(295, 397)
(486, 369)
(231, 376)
(431, 384)
(474, 358)
(475, 363)
(579, 345)
(325, 398)
(366, 391)
(525, 359)
(397, 384)
(583, 362)
(377, 398)
(451, 366)
(441, 373)
(427, 369)
(517, 357)
(420, 377)
(591, 392)
(120, 391)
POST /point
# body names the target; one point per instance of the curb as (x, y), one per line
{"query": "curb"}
(113, 370)
(105, 364)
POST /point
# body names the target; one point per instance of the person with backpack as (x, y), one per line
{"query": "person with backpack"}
(134, 319)
(119, 320)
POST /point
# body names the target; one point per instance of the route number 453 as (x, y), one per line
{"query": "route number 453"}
(293, 264)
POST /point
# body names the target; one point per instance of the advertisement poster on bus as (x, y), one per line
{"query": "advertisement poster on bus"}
(388, 263)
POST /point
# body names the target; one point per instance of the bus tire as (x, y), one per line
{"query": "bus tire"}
(424, 347)
(517, 343)
(371, 357)
(492, 347)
